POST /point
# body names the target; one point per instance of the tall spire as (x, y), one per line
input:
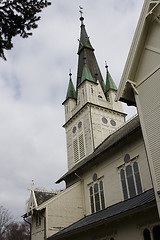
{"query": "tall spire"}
(86, 50)
(109, 81)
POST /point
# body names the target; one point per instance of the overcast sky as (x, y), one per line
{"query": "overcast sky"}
(33, 85)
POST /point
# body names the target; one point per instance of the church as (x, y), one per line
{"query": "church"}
(113, 178)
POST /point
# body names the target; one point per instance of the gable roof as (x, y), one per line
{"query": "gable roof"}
(116, 137)
(127, 86)
(43, 196)
(96, 219)
(37, 197)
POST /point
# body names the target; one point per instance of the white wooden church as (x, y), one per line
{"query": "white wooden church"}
(113, 178)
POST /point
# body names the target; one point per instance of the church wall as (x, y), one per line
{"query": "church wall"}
(150, 57)
(64, 209)
(85, 129)
(147, 80)
(102, 129)
(37, 232)
(130, 227)
(108, 168)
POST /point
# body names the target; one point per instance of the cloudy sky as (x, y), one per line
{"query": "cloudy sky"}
(33, 85)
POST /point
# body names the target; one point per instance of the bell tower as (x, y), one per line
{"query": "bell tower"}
(91, 114)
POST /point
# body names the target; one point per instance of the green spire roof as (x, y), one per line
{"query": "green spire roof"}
(86, 50)
(71, 93)
(86, 74)
(109, 82)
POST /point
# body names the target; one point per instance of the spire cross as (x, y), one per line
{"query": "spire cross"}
(32, 186)
(81, 18)
(81, 10)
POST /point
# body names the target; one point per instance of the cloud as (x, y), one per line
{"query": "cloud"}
(33, 84)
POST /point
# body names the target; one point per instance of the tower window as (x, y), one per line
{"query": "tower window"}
(96, 190)
(80, 124)
(107, 97)
(75, 150)
(130, 178)
(104, 120)
(74, 129)
(78, 142)
(113, 123)
(81, 146)
(92, 89)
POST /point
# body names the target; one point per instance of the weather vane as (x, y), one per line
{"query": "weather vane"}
(80, 10)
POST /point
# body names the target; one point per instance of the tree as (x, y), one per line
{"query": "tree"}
(18, 17)
(10, 229)
(5, 220)
(18, 231)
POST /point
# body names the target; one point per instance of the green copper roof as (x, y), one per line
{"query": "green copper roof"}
(86, 74)
(109, 82)
(86, 50)
(71, 93)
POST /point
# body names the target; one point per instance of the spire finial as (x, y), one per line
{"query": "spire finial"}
(70, 74)
(106, 66)
(81, 18)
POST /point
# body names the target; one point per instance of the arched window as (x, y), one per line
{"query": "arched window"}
(124, 186)
(156, 232)
(137, 177)
(131, 186)
(130, 178)
(96, 191)
(146, 234)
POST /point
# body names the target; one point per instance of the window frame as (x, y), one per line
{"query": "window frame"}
(97, 201)
(134, 176)
(38, 220)
(79, 137)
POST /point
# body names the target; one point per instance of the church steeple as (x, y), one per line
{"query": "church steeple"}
(85, 50)
(91, 114)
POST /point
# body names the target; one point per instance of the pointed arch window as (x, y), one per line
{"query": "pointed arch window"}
(130, 177)
(152, 234)
(96, 190)
(146, 234)
(156, 232)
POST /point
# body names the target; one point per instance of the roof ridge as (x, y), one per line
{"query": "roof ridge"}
(45, 191)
